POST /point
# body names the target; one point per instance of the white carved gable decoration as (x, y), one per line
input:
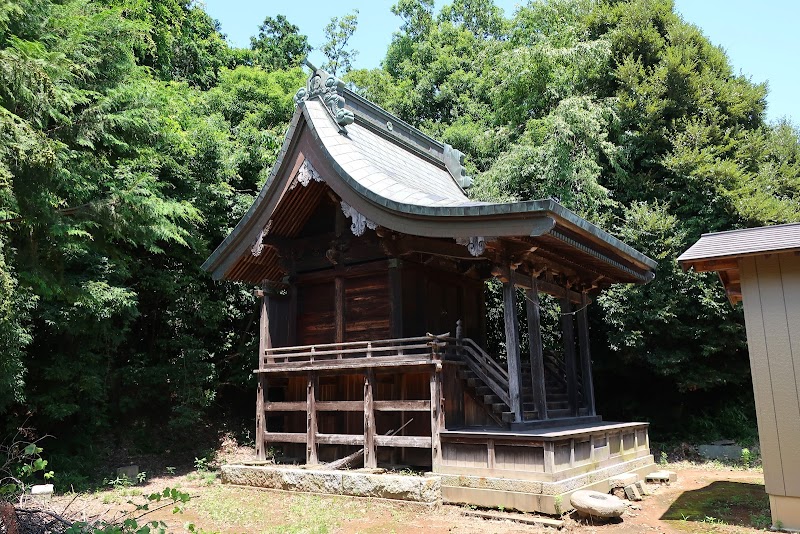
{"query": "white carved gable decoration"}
(476, 245)
(359, 222)
(258, 244)
(306, 174)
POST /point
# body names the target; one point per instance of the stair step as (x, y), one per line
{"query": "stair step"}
(552, 414)
(508, 417)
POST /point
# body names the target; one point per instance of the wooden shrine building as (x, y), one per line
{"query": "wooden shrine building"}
(371, 261)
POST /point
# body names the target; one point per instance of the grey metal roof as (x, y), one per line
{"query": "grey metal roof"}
(393, 170)
(383, 166)
(744, 242)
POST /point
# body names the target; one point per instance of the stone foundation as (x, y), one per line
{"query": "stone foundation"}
(537, 496)
(427, 489)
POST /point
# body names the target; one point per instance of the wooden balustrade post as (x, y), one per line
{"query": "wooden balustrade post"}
(311, 419)
(437, 416)
(370, 450)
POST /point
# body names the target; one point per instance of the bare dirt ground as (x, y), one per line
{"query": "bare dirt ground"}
(706, 498)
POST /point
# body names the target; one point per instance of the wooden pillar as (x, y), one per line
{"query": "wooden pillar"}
(437, 416)
(339, 311)
(264, 343)
(535, 346)
(568, 333)
(512, 348)
(292, 334)
(311, 419)
(395, 299)
(370, 450)
(586, 357)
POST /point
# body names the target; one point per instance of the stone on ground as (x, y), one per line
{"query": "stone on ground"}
(662, 477)
(594, 504)
(632, 493)
(128, 471)
(42, 492)
(620, 481)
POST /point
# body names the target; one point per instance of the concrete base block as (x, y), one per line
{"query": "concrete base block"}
(427, 489)
(620, 481)
(632, 493)
(534, 496)
(42, 492)
(662, 477)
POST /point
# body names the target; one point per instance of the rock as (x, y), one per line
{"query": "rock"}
(42, 492)
(594, 504)
(662, 477)
(129, 471)
(721, 450)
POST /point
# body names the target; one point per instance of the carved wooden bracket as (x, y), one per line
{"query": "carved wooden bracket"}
(359, 222)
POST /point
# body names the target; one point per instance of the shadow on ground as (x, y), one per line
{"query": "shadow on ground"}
(723, 502)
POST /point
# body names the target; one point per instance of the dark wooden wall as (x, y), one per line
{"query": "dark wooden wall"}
(434, 299)
(365, 304)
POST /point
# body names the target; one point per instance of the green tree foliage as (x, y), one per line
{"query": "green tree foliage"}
(278, 44)
(632, 118)
(128, 150)
(337, 34)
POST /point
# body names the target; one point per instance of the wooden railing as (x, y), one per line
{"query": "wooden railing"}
(389, 351)
(354, 352)
(482, 364)
(558, 371)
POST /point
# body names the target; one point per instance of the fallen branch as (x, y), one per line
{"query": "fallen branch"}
(345, 462)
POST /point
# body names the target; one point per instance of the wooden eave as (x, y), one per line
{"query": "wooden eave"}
(723, 251)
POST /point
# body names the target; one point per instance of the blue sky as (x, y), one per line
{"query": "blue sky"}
(761, 38)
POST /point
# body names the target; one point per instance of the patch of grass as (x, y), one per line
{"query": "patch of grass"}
(723, 503)
(258, 511)
(207, 478)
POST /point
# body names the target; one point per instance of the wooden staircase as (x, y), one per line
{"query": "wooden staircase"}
(487, 381)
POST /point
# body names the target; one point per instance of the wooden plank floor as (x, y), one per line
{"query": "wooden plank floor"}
(547, 433)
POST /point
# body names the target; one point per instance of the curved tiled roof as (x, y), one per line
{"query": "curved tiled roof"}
(397, 176)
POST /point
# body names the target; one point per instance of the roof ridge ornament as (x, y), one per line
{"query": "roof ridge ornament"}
(454, 161)
(328, 91)
(360, 222)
